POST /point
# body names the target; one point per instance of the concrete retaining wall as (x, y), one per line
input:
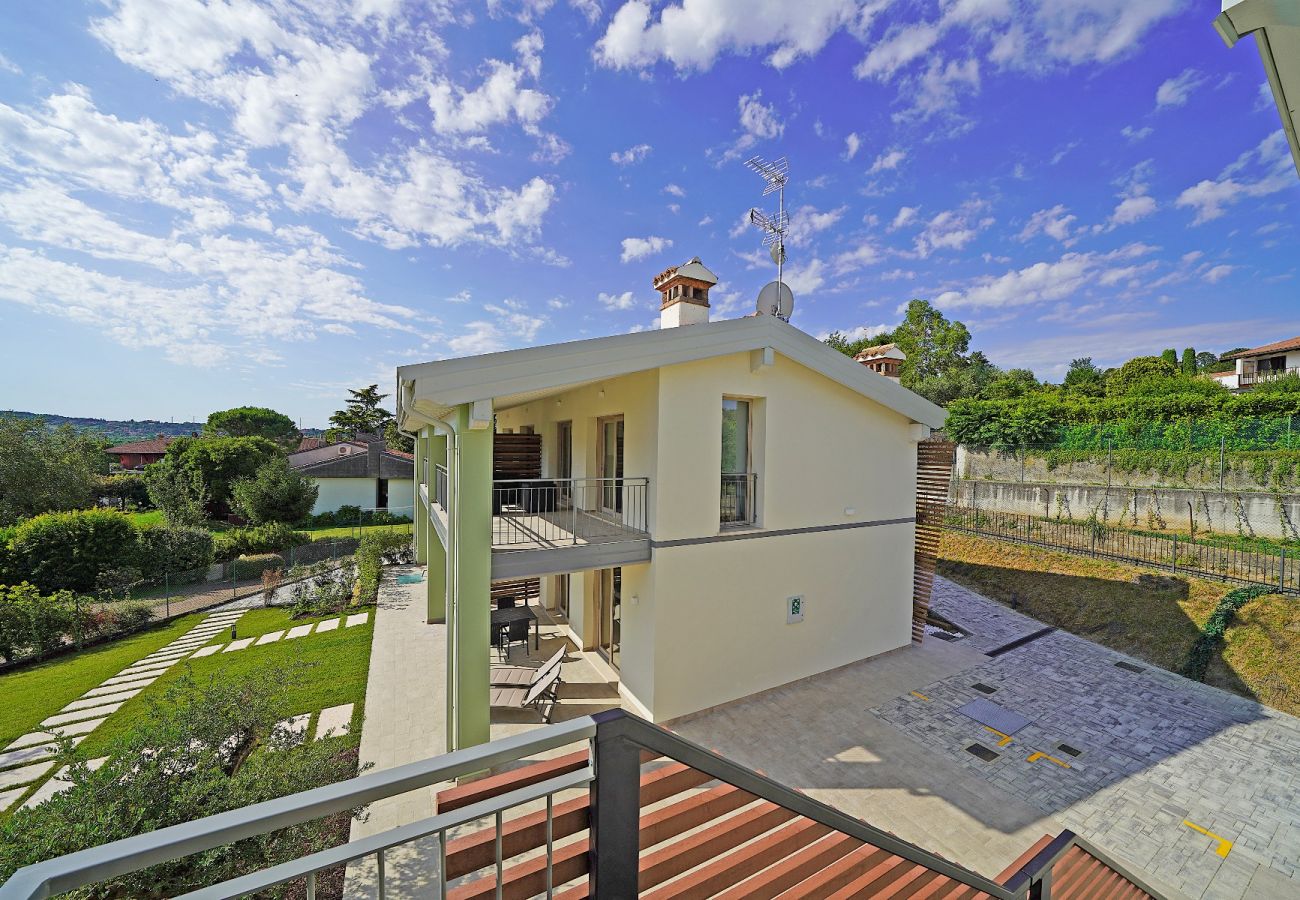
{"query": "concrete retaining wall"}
(985, 465)
(1260, 514)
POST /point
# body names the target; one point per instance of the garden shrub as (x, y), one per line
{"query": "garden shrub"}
(1216, 626)
(253, 566)
(376, 547)
(324, 592)
(68, 550)
(175, 551)
(269, 538)
(32, 622)
(351, 516)
(198, 751)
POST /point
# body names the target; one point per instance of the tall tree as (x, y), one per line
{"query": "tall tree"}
(1188, 366)
(1170, 356)
(361, 414)
(275, 493)
(1136, 371)
(208, 467)
(1084, 378)
(934, 345)
(254, 421)
(44, 470)
(1205, 362)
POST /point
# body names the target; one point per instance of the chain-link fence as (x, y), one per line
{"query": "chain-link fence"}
(1174, 553)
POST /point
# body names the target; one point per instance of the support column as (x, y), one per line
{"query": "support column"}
(419, 512)
(469, 619)
(435, 447)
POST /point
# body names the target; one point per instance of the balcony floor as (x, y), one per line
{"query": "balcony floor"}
(527, 545)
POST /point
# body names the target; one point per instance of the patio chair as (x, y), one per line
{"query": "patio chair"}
(544, 691)
(525, 676)
(515, 632)
(507, 601)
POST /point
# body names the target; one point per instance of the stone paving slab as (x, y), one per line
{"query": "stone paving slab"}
(328, 625)
(11, 777)
(91, 702)
(358, 619)
(124, 679)
(335, 720)
(297, 631)
(238, 645)
(58, 784)
(7, 798)
(98, 712)
(44, 737)
(1154, 751)
(293, 730)
(12, 758)
(169, 656)
(207, 651)
(147, 667)
(108, 689)
(269, 638)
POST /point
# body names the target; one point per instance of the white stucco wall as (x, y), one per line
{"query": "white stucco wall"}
(708, 621)
(401, 497)
(336, 492)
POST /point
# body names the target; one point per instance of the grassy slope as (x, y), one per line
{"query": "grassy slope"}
(1097, 599)
(37, 692)
(338, 663)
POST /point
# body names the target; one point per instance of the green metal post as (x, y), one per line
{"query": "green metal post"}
(419, 513)
(469, 624)
(435, 553)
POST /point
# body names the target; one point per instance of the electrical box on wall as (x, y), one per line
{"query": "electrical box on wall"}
(794, 607)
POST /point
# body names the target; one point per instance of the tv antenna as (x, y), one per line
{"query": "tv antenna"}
(774, 174)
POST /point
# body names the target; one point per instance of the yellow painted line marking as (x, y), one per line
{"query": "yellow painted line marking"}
(1036, 756)
(922, 696)
(1005, 738)
(1225, 845)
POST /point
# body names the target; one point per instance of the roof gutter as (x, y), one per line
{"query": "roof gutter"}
(1268, 19)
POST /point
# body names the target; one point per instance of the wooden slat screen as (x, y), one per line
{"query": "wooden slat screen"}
(527, 590)
(934, 461)
(516, 456)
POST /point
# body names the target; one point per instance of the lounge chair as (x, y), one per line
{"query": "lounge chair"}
(525, 676)
(543, 691)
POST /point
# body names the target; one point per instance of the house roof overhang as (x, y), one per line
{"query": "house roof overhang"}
(429, 392)
(1276, 26)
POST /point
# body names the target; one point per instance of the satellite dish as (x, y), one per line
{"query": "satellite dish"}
(776, 299)
(778, 253)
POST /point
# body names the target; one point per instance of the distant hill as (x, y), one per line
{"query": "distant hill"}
(121, 432)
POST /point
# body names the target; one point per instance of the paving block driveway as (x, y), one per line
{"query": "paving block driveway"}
(1198, 787)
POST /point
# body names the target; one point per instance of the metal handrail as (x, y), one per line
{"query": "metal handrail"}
(738, 503)
(96, 864)
(1040, 866)
(532, 513)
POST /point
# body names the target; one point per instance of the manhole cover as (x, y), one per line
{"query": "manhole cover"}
(982, 752)
(1129, 666)
(1066, 748)
(984, 688)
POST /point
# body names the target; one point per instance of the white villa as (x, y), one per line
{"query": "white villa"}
(721, 507)
(1261, 364)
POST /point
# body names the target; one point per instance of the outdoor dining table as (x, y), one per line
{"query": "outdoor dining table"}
(503, 617)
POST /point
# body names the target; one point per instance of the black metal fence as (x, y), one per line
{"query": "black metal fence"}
(1173, 553)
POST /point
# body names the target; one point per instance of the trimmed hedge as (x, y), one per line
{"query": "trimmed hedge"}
(1216, 626)
(175, 550)
(253, 566)
(351, 516)
(33, 623)
(270, 538)
(374, 548)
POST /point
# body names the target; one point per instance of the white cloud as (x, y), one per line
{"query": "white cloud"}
(851, 144)
(899, 47)
(1217, 273)
(1178, 90)
(1271, 171)
(500, 98)
(887, 161)
(859, 333)
(630, 156)
(806, 279)
(758, 119)
(1133, 135)
(807, 221)
(693, 33)
(1067, 278)
(864, 254)
(623, 301)
(675, 190)
(906, 216)
(635, 248)
(1132, 209)
(1057, 223)
(8, 65)
(952, 229)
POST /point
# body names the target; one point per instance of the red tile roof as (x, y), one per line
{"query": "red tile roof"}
(311, 443)
(1275, 347)
(400, 453)
(153, 445)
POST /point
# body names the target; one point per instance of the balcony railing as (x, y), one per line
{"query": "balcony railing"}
(1248, 379)
(619, 845)
(739, 498)
(440, 485)
(536, 513)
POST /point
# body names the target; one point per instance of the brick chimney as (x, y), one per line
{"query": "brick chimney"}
(684, 294)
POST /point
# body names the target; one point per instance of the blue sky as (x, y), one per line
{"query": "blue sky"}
(210, 204)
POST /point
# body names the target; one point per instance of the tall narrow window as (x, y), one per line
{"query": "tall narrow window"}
(738, 483)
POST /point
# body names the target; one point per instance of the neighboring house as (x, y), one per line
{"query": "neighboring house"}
(1276, 26)
(311, 443)
(725, 507)
(1262, 364)
(138, 454)
(361, 473)
(885, 359)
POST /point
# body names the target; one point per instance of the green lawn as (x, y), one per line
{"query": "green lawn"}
(336, 665)
(147, 519)
(343, 531)
(39, 691)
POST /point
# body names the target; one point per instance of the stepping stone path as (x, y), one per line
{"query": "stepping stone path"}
(207, 651)
(297, 632)
(27, 759)
(293, 731)
(336, 720)
(237, 645)
(58, 784)
(358, 619)
(270, 638)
